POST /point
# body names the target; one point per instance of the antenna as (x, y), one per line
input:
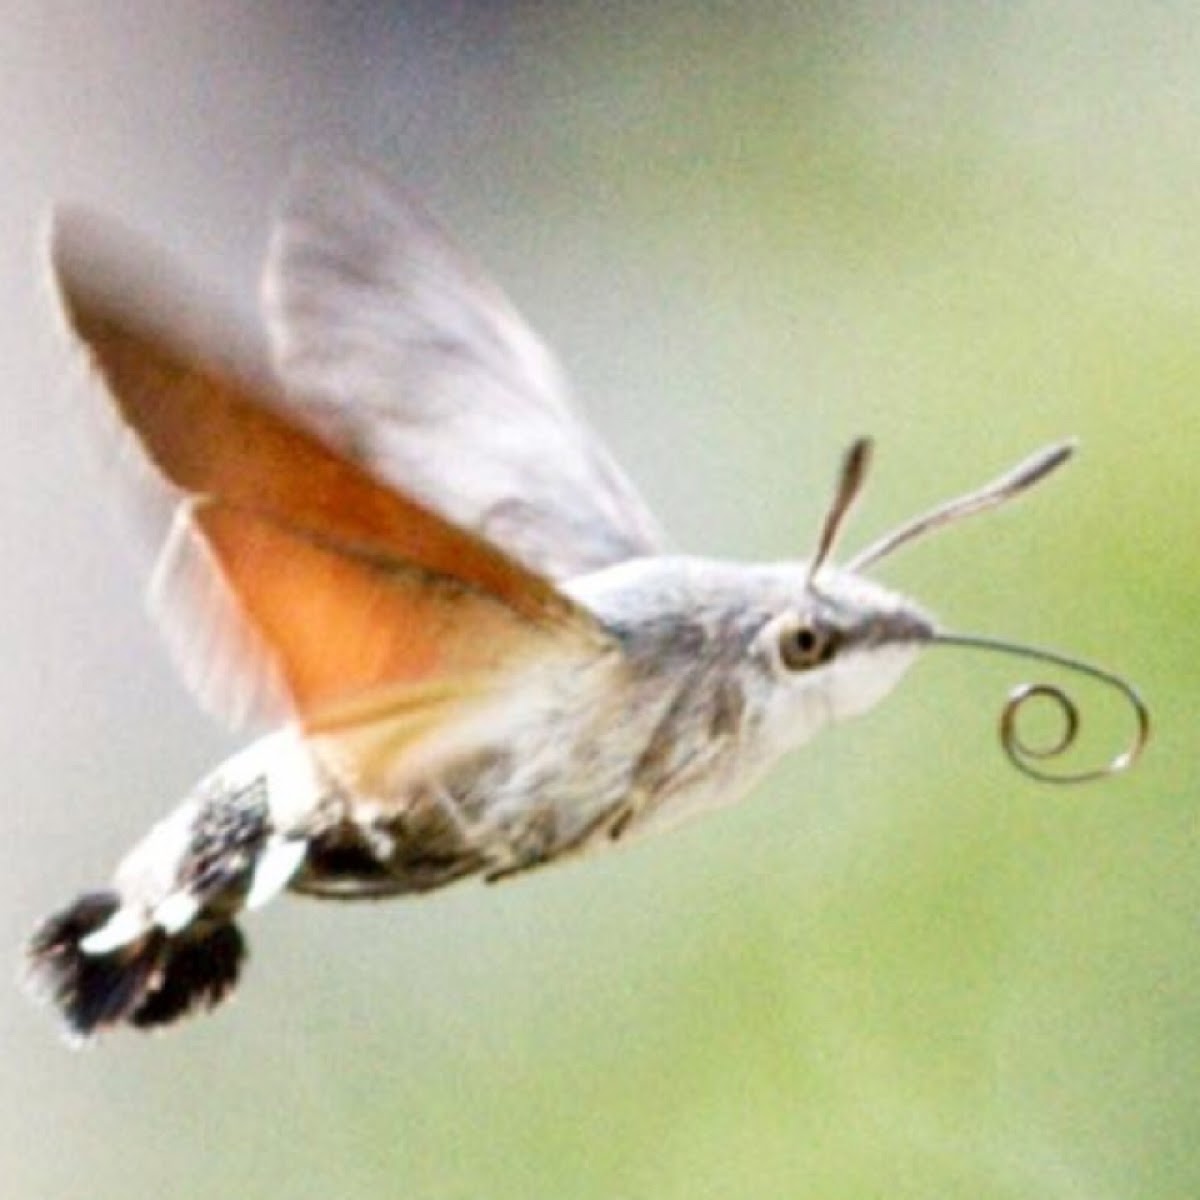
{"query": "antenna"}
(992, 495)
(850, 482)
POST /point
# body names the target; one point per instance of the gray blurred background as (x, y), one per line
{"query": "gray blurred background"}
(752, 232)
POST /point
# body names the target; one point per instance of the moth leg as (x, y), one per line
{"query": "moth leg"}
(390, 847)
(600, 828)
(621, 822)
(658, 784)
(517, 862)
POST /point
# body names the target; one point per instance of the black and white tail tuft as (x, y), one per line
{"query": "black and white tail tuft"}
(151, 981)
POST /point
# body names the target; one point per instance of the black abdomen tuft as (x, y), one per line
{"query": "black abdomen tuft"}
(152, 981)
(200, 970)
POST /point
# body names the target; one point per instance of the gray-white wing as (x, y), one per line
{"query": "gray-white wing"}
(411, 361)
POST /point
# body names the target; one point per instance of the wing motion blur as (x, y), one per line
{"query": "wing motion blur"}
(420, 369)
(294, 582)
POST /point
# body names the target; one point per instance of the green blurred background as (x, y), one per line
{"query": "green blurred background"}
(752, 232)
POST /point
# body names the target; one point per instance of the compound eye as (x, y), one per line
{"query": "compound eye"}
(804, 646)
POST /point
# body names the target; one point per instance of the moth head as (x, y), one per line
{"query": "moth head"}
(835, 651)
(841, 642)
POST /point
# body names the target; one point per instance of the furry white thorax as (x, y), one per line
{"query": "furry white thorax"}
(741, 609)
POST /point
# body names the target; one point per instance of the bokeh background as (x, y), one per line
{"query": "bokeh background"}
(752, 232)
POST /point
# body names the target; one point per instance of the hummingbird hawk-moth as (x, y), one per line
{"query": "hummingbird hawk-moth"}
(401, 547)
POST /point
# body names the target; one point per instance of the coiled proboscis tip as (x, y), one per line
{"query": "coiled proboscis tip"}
(1025, 755)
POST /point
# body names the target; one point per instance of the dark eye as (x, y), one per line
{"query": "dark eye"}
(806, 646)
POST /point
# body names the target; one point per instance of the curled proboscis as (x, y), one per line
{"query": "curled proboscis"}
(1026, 755)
